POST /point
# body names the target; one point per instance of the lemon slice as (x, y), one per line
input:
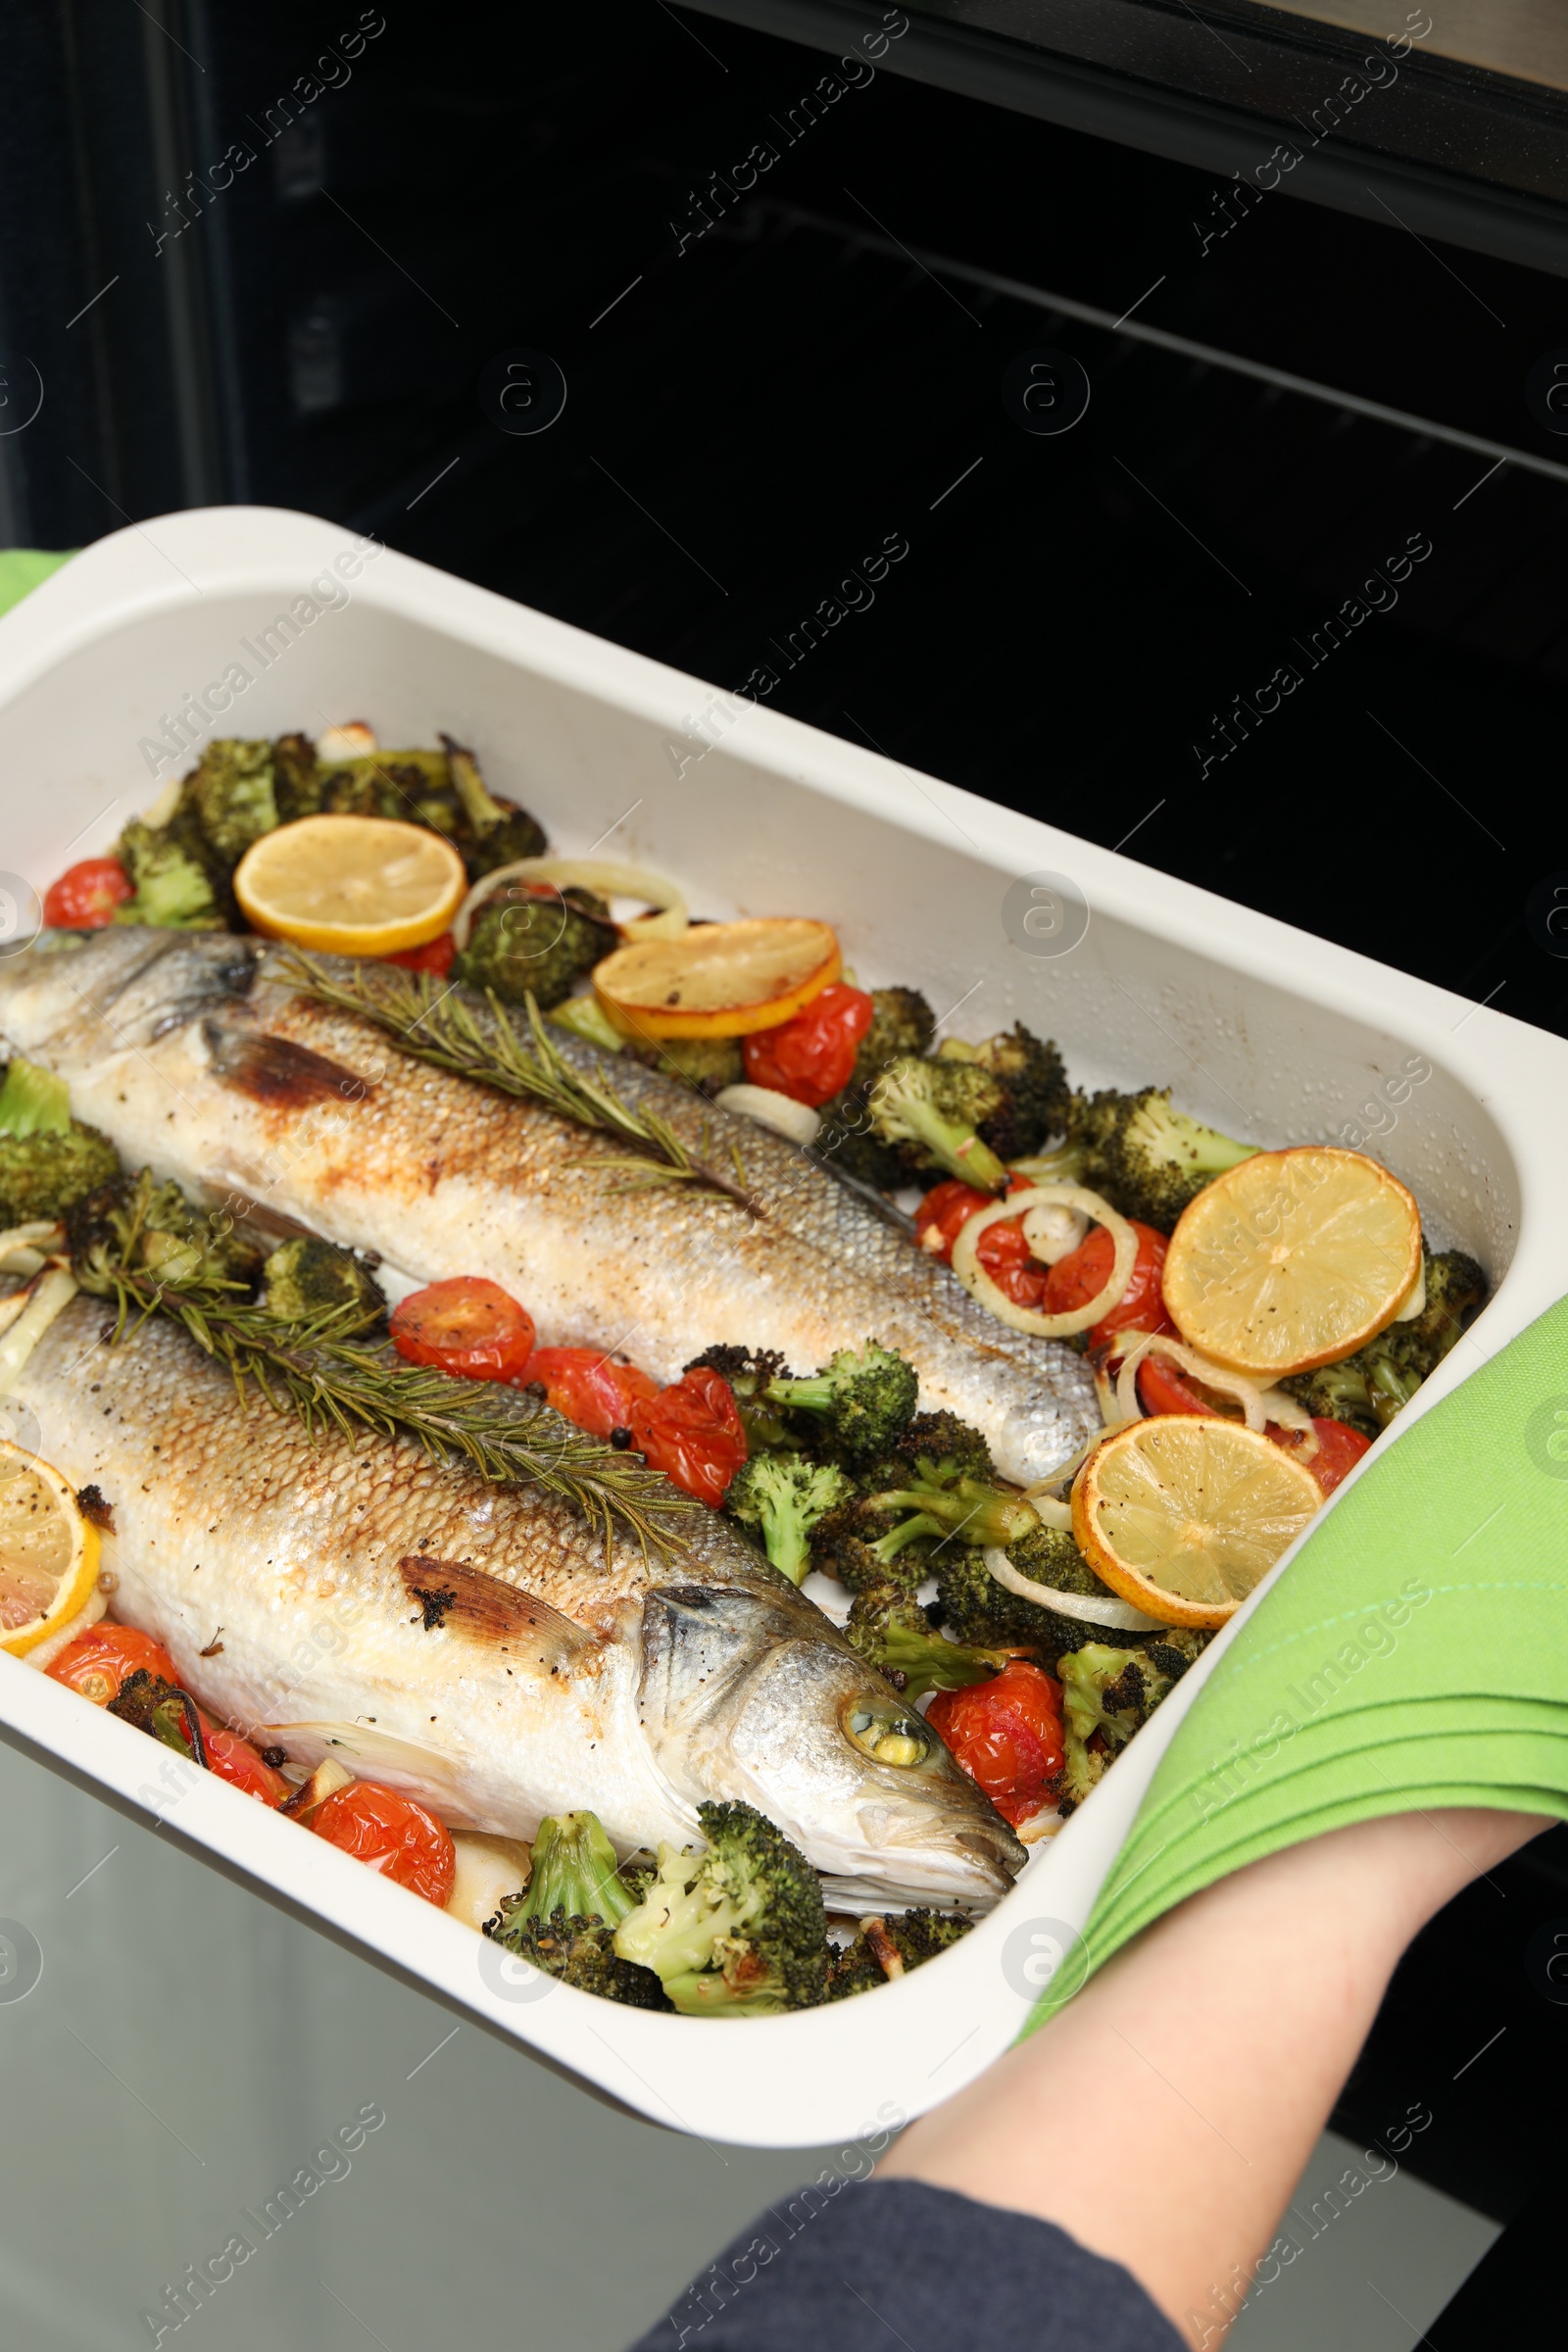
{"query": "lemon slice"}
(350, 885)
(1292, 1259)
(1183, 1516)
(718, 979)
(48, 1551)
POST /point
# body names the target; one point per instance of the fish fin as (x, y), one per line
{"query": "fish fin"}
(275, 1070)
(431, 1774)
(499, 1617)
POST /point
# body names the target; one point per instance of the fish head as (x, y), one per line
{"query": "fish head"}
(741, 1696)
(73, 996)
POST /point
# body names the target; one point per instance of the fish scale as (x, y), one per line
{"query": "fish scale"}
(195, 1062)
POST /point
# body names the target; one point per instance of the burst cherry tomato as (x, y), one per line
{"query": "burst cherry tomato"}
(1006, 1735)
(811, 1057)
(1163, 1391)
(98, 1662)
(1339, 1449)
(468, 1326)
(588, 1388)
(693, 1433)
(1002, 1252)
(436, 956)
(1084, 1271)
(392, 1834)
(86, 896)
(233, 1759)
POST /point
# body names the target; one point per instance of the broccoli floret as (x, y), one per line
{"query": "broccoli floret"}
(784, 1495)
(868, 1548)
(708, 1063)
(738, 1931)
(133, 1220)
(297, 778)
(497, 832)
(850, 1142)
(536, 941)
(902, 1025)
(747, 1372)
(175, 890)
(1367, 1389)
(1147, 1159)
(233, 795)
(966, 1509)
(1107, 1693)
(587, 1019)
(581, 1953)
(895, 1633)
(575, 1872)
(887, 1948)
(948, 1114)
(944, 1446)
(48, 1160)
(1036, 1080)
(984, 1613)
(863, 1398)
(307, 1279)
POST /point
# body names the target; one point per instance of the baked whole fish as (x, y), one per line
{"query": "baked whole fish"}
(475, 1645)
(196, 1064)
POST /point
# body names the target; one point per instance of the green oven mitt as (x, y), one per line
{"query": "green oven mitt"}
(21, 570)
(1415, 1655)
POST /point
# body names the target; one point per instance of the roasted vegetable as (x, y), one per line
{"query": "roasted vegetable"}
(1367, 1389)
(174, 890)
(783, 1495)
(535, 942)
(888, 1948)
(983, 1612)
(708, 1063)
(947, 1114)
(1107, 1693)
(1146, 1159)
(1038, 1094)
(159, 1229)
(232, 792)
(747, 1372)
(308, 1278)
(580, 1952)
(575, 1872)
(862, 1399)
(738, 1931)
(892, 1630)
(48, 1160)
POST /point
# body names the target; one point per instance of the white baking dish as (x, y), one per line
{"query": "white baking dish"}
(1268, 1032)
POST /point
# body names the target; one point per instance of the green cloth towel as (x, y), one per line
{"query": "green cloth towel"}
(1414, 1655)
(22, 569)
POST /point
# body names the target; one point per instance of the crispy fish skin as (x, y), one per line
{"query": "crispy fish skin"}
(195, 1062)
(472, 1644)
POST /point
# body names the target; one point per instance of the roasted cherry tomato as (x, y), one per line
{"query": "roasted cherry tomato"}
(589, 1388)
(468, 1326)
(1339, 1449)
(99, 1660)
(436, 956)
(1004, 1252)
(233, 1759)
(1006, 1735)
(392, 1834)
(693, 1433)
(1164, 1389)
(86, 896)
(811, 1057)
(1084, 1271)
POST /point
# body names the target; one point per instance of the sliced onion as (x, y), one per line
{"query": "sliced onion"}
(1049, 1511)
(1053, 1233)
(24, 1249)
(1414, 1300)
(601, 874)
(978, 1283)
(1069, 1468)
(51, 1292)
(1083, 1606)
(1260, 1405)
(796, 1121)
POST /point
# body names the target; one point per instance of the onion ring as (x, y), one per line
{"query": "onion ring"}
(601, 874)
(978, 1283)
(1083, 1606)
(1260, 1405)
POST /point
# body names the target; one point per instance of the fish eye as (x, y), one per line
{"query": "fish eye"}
(888, 1737)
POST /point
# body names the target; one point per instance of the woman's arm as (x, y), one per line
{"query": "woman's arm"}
(1165, 2116)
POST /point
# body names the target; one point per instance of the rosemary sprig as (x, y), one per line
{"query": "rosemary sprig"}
(350, 1383)
(439, 1025)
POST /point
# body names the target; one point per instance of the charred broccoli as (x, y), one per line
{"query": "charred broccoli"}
(1036, 1080)
(850, 1142)
(1367, 1389)
(902, 1025)
(895, 1633)
(946, 1113)
(738, 1931)
(868, 1548)
(48, 1160)
(135, 1222)
(1107, 1693)
(534, 940)
(164, 1712)
(231, 790)
(493, 832)
(296, 778)
(887, 1948)
(861, 1397)
(708, 1063)
(784, 1495)
(580, 1952)
(307, 1279)
(746, 1371)
(984, 1613)
(946, 1496)
(174, 890)
(1147, 1159)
